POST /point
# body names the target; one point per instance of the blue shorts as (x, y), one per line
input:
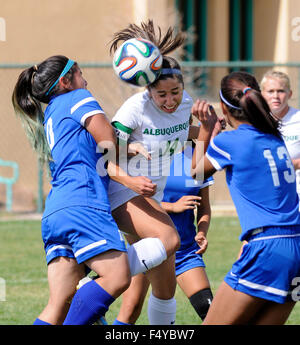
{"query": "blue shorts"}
(80, 232)
(268, 264)
(187, 259)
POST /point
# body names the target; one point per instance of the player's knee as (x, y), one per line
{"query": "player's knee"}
(171, 242)
(145, 255)
(201, 302)
(119, 279)
(124, 280)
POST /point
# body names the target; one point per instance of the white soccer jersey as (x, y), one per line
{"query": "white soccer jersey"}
(290, 131)
(140, 120)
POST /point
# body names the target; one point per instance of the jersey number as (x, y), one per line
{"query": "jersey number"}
(289, 175)
(49, 133)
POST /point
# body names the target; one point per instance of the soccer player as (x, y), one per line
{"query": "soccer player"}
(276, 89)
(182, 195)
(157, 118)
(77, 226)
(261, 180)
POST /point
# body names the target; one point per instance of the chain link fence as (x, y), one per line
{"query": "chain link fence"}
(29, 181)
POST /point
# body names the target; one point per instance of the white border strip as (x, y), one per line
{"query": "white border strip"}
(90, 113)
(275, 236)
(82, 102)
(215, 164)
(61, 246)
(263, 288)
(89, 247)
(220, 151)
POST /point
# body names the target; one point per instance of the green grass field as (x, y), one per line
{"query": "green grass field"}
(23, 269)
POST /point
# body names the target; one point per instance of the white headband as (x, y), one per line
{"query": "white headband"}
(226, 102)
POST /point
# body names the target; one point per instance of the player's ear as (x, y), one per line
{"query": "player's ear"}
(65, 83)
(224, 108)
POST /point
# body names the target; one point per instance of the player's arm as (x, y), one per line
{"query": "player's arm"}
(193, 132)
(203, 220)
(201, 166)
(104, 134)
(296, 163)
(186, 202)
(105, 137)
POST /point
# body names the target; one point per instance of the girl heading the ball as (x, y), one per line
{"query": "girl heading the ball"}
(158, 120)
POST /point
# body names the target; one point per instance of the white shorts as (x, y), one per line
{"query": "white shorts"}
(119, 194)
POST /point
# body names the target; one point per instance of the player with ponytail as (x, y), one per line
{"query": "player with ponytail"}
(261, 180)
(78, 229)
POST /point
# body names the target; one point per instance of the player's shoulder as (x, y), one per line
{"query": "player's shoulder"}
(224, 137)
(293, 115)
(79, 94)
(138, 98)
(231, 141)
(186, 98)
(132, 107)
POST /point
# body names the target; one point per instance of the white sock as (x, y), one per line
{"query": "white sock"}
(145, 254)
(161, 312)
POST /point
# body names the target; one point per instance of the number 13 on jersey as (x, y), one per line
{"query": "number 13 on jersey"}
(289, 174)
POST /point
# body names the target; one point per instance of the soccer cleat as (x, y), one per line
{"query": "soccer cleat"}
(101, 322)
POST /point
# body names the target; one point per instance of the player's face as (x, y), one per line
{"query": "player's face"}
(167, 94)
(78, 82)
(277, 96)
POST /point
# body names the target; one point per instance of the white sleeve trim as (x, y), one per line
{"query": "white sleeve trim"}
(208, 183)
(220, 151)
(90, 113)
(215, 164)
(82, 102)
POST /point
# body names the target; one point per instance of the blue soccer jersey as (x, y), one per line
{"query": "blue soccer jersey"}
(75, 181)
(260, 177)
(180, 183)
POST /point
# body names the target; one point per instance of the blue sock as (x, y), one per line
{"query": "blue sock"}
(89, 303)
(39, 322)
(117, 322)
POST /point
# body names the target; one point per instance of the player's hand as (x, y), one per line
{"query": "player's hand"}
(205, 113)
(136, 148)
(219, 126)
(201, 240)
(186, 202)
(142, 185)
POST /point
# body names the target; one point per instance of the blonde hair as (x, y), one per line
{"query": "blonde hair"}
(276, 75)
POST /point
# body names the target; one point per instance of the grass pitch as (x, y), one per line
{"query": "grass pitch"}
(23, 272)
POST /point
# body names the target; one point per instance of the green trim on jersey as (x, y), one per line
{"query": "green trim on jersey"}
(121, 127)
(122, 132)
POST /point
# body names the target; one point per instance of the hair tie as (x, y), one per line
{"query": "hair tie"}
(246, 89)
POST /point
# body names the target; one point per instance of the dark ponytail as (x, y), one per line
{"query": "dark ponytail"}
(241, 93)
(30, 92)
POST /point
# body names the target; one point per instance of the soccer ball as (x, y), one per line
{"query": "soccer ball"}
(137, 62)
